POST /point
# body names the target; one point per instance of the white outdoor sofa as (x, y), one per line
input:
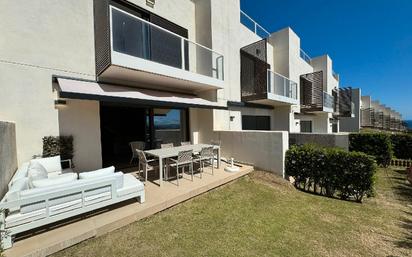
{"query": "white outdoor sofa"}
(34, 201)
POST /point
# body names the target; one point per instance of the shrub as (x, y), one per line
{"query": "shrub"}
(1, 235)
(61, 145)
(402, 146)
(331, 171)
(377, 145)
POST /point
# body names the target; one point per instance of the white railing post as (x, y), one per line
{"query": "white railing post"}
(182, 41)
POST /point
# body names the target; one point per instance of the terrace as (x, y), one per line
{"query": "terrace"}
(107, 219)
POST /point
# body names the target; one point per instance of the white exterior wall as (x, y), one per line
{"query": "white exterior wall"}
(324, 63)
(228, 37)
(81, 119)
(57, 38)
(51, 38)
(265, 150)
(287, 62)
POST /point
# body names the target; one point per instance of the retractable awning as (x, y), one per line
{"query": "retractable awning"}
(90, 90)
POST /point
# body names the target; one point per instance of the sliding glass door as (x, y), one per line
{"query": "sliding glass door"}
(170, 126)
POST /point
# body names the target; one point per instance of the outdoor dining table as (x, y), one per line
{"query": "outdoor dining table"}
(164, 153)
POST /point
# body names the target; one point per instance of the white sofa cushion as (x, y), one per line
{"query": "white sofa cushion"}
(60, 180)
(36, 171)
(51, 164)
(97, 173)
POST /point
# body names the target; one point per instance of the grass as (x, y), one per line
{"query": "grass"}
(262, 215)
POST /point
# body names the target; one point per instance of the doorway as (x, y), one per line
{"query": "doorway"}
(120, 125)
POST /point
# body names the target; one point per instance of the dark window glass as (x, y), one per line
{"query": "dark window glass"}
(306, 126)
(255, 122)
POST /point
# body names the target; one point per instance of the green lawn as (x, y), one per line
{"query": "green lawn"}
(261, 215)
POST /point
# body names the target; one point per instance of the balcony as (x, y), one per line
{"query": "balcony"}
(144, 54)
(260, 85)
(312, 97)
(281, 90)
(343, 104)
(367, 116)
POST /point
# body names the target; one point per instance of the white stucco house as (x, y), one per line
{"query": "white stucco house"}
(111, 72)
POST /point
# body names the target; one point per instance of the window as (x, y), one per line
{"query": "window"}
(170, 126)
(255, 122)
(306, 126)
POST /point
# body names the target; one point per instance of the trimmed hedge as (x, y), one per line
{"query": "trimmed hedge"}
(61, 145)
(402, 146)
(331, 172)
(377, 145)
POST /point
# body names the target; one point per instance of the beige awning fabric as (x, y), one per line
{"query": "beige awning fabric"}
(90, 90)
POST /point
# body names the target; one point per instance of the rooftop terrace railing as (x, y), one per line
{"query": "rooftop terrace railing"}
(305, 56)
(136, 37)
(252, 25)
(280, 85)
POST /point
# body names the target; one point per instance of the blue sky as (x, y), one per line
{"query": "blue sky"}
(370, 41)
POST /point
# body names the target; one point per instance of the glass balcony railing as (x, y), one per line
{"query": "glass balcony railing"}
(328, 100)
(136, 37)
(280, 85)
(305, 56)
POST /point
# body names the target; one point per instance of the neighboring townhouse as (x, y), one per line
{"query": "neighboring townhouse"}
(352, 123)
(371, 114)
(110, 72)
(278, 74)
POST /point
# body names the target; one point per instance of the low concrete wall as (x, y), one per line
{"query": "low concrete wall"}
(328, 140)
(8, 154)
(264, 149)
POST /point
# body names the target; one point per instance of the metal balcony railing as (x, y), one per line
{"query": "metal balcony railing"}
(252, 25)
(282, 86)
(328, 100)
(134, 36)
(305, 56)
